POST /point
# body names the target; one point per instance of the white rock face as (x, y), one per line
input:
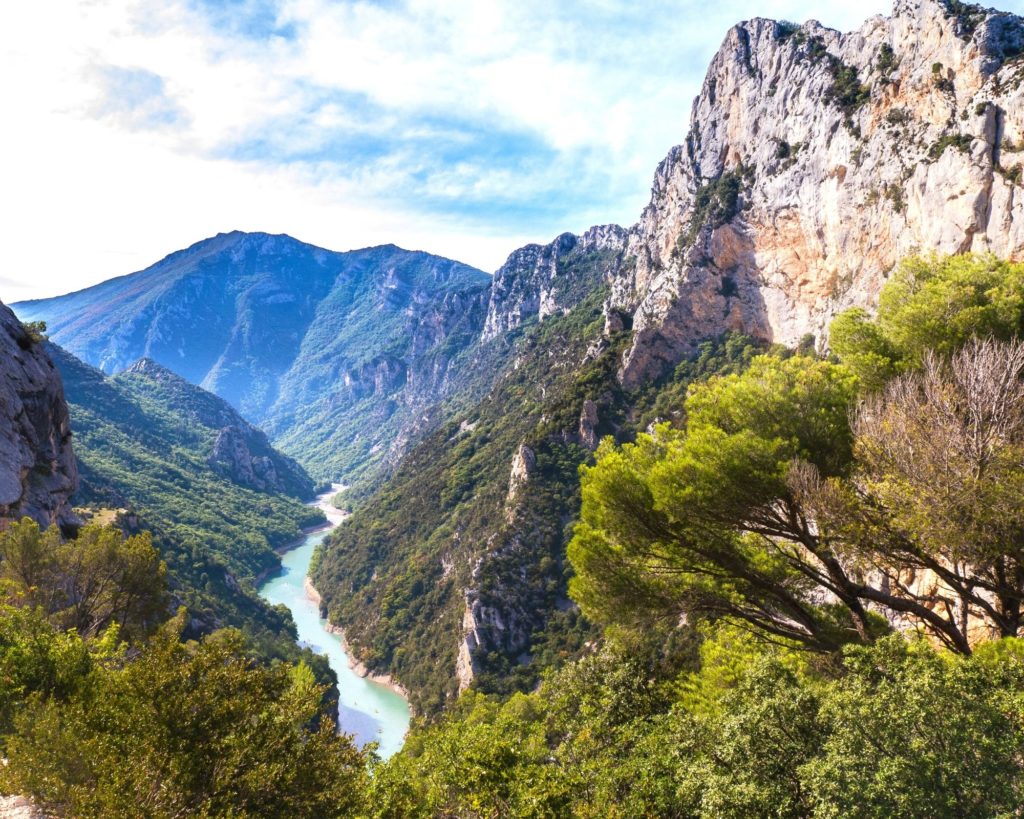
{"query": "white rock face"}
(38, 473)
(523, 464)
(530, 282)
(844, 153)
(465, 668)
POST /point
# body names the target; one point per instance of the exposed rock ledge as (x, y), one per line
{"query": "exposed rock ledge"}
(18, 807)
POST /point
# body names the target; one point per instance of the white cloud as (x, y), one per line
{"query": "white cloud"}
(136, 127)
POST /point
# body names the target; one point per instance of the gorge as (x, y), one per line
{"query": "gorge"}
(664, 486)
(368, 710)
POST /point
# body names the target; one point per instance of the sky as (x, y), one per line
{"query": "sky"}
(467, 128)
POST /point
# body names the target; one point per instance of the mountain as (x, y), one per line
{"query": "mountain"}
(240, 451)
(149, 441)
(451, 541)
(333, 353)
(38, 472)
(815, 161)
(150, 449)
(462, 406)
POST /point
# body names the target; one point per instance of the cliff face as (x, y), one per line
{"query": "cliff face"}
(533, 282)
(37, 466)
(816, 161)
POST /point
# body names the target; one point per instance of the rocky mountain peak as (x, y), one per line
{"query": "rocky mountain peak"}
(531, 284)
(151, 369)
(817, 160)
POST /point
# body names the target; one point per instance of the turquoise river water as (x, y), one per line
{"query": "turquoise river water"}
(371, 712)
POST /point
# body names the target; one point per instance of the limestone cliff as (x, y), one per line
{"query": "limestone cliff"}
(817, 160)
(533, 282)
(37, 466)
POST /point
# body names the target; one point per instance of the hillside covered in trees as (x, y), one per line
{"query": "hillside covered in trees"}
(810, 591)
(805, 597)
(720, 515)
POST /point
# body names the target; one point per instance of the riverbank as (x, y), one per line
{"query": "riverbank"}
(372, 708)
(357, 666)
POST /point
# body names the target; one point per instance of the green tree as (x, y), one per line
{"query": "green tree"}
(704, 522)
(36, 331)
(98, 579)
(36, 660)
(186, 730)
(932, 304)
(915, 733)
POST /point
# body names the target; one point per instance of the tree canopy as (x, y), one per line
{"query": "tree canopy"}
(791, 505)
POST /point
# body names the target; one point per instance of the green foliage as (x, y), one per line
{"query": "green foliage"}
(914, 733)
(935, 304)
(384, 576)
(961, 142)
(886, 62)
(1013, 175)
(969, 16)
(143, 445)
(665, 400)
(784, 29)
(716, 202)
(98, 580)
(36, 331)
(863, 348)
(847, 92)
(36, 659)
(667, 524)
(185, 729)
(894, 730)
(898, 117)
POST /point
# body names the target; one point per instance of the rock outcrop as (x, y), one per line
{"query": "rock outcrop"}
(523, 464)
(240, 452)
(38, 473)
(232, 457)
(588, 425)
(465, 664)
(532, 283)
(815, 162)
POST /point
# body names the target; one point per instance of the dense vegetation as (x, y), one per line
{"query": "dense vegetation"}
(392, 575)
(445, 521)
(142, 445)
(104, 711)
(807, 610)
(747, 729)
(800, 595)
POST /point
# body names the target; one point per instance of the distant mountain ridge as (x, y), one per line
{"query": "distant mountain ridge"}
(294, 336)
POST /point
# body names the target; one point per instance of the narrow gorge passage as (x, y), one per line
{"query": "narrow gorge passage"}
(370, 711)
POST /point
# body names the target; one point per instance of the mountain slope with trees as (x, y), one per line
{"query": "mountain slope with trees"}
(333, 353)
(144, 441)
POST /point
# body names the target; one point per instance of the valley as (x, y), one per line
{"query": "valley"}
(368, 710)
(716, 514)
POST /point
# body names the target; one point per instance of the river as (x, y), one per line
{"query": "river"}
(368, 710)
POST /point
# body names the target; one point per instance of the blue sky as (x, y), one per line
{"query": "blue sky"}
(136, 127)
